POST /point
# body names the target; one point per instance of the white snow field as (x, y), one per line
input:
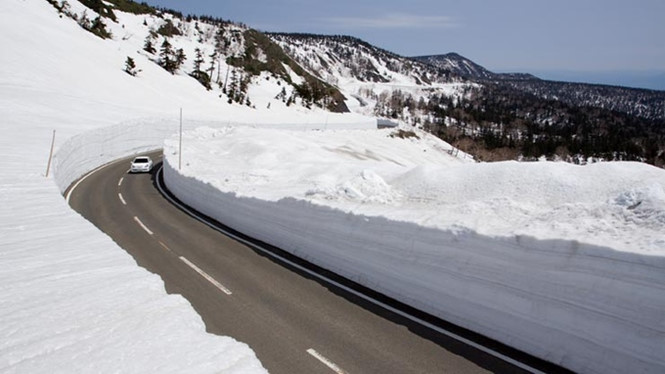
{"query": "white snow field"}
(71, 300)
(564, 262)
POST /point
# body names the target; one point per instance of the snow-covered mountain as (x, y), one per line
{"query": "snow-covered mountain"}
(633, 101)
(340, 59)
(485, 113)
(463, 67)
(375, 81)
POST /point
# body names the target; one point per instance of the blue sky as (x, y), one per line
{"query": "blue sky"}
(600, 38)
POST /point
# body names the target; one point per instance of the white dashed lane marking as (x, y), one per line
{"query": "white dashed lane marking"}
(206, 276)
(144, 227)
(325, 361)
(164, 246)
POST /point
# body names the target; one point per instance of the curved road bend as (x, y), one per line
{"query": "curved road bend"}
(294, 322)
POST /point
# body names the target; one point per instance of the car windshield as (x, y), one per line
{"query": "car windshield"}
(140, 160)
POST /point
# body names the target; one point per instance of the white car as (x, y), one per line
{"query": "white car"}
(141, 164)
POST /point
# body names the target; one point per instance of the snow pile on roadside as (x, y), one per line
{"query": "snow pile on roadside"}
(367, 186)
(346, 165)
(565, 262)
(619, 205)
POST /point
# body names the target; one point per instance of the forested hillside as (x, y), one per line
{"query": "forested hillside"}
(497, 122)
(492, 116)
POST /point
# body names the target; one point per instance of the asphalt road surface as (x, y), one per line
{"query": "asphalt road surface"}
(295, 322)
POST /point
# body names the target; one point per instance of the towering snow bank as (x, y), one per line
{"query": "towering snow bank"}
(562, 261)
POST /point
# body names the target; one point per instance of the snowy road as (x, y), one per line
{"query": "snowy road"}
(293, 322)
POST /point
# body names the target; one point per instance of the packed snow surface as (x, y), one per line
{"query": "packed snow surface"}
(564, 262)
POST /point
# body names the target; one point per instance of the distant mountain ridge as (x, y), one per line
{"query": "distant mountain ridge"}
(335, 58)
(466, 68)
(649, 104)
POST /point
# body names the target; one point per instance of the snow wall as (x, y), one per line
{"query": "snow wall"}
(590, 309)
(112, 314)
(87, 151)
(173, 330)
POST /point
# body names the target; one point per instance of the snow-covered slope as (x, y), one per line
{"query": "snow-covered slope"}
(367, 75)
(72, 300)
(343, 57)
(565, 262)
(227, 58)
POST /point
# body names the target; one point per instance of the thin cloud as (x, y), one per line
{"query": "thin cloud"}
(393, 21)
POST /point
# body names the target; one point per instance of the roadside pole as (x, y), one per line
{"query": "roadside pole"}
(50, 155)
(180, 145)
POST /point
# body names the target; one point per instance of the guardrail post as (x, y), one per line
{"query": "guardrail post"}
(50, 155)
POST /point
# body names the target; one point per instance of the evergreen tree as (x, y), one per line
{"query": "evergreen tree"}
(198, 59)
(130, 67)
(98, 28)
(147, 46)
(200, 75)
(168, 29)
(232, 89)
(179, 59)
(101, 8)
(166, 59)
(220, 41)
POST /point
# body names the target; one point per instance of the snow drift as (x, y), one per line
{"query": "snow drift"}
(562, 261)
